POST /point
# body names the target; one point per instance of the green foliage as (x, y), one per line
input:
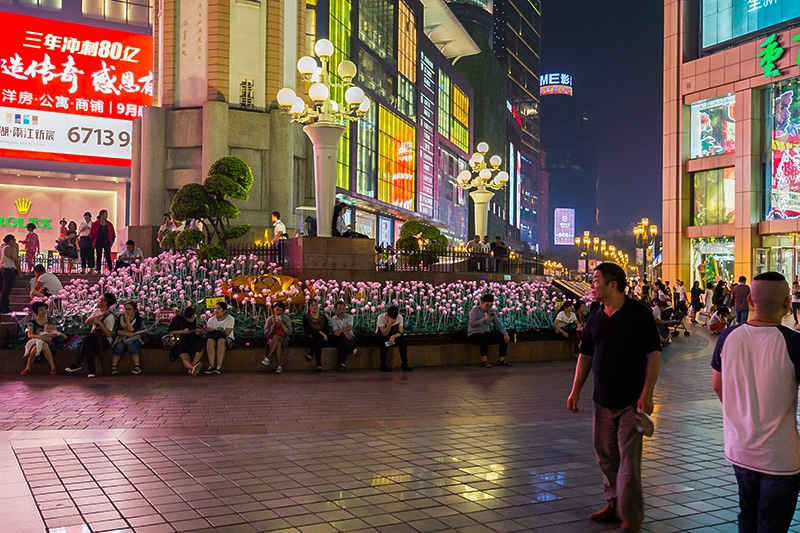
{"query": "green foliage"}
(168, 242)
(236, 232)
(228, 177)
(212, 251)
(421, 241)
(189, 238)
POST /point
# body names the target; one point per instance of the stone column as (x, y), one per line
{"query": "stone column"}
(215, 133)
(136, 172)
(281, 186)
(481, 198)
(325, 138)
(153, 164)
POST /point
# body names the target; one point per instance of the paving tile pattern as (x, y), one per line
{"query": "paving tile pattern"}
(459, 449)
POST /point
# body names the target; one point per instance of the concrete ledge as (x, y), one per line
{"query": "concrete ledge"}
(156, 361)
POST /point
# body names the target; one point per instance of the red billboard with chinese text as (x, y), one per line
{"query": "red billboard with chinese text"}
(48, 68)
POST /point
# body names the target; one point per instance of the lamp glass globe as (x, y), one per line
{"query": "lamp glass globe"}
(495, 160)
(485, 173)
(354, 96)
(483, 147)
(502, 177)
(306, 65)
(286, 97)
(323, 48)
(365, 105)
(298, 106)
(347, 69)
(464, 175)
(318, 92)
(477, 158)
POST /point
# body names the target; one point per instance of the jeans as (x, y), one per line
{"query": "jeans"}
(133, 348)
(484, 340)
(400, 342)
(742, 316)
(8, 276)
(618, 447)
(766, 502)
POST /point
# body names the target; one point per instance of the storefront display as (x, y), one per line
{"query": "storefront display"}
(713, 196)
(713, 128)
(712, 259)
(783, 129)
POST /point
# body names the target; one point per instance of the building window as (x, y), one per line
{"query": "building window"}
(396, 160)
(460, 106)
(50, 5)
(134, 12)
(367, 171)
(444, 104)
(340, 32)
(406, 98)
(311, 26)
(247, 88)
(376, 27)
(407, 43)
(373, 76)
(783, 160)
(713, 128)
(713, 193)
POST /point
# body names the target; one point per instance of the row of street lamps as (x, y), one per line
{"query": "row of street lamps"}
(644, 233)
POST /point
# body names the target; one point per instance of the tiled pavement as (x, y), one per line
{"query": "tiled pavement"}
(450, 449)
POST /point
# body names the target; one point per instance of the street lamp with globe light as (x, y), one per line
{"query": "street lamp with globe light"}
(482, 177)
(323, 120)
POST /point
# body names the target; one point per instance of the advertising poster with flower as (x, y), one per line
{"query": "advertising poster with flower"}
(713, 129)
(784, 129)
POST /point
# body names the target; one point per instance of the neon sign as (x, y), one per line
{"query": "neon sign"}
(555, 83)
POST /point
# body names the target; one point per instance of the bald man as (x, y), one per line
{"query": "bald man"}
(756, 373)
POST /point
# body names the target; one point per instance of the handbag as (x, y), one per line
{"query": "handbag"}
(216, 334)
(170, 340)
(75, 342)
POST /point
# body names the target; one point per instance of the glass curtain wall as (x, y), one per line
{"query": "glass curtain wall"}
(396, 160)
(340, 35)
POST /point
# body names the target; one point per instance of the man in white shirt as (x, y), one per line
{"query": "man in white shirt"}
(278, 227)
(756, 373)
(45, 284)
(390, 333)
(130, 256)
(474, 248)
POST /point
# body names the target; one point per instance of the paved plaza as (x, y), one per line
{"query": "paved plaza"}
(440, 449)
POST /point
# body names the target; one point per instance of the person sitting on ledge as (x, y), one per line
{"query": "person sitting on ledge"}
(277, 330)
(342, 324)
(316, 329)
(484, 329)
(102, 321)
(390, 333)
(191, 342)
(130, 256)
(45, 283)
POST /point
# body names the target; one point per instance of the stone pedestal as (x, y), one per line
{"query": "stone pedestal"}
(481, 197)
(329, 258)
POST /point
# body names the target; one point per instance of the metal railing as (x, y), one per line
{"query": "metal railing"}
(53, 262)
(272, 253)
(452, 259)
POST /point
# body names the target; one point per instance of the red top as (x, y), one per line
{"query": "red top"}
(95, 230)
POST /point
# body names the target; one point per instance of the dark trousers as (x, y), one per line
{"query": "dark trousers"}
(316, 342)
(400, 342)
(87, 252)
(484, 340)
(122, 264)
(795, 308)
(8, 276)
(93, 345)
(101, 248)
(346, 347)
(766, 502)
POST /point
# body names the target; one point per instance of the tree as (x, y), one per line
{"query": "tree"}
(421, 242)
(228, 177)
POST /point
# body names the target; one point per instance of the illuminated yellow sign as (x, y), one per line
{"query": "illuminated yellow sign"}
(23, 205)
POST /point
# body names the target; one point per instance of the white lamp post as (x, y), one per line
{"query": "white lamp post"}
(481, 179)
(323, 118)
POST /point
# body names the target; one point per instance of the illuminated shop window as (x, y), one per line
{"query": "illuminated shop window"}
(367, 171)
(713, 127)
(406, 98)
(396, 160)
(783, 150)
(407, 43)
(459, 135)
(374, 77)
(134, 12)
(444, 104)
(376, 27)
(50, 5)
(713, 193)
(340, 32)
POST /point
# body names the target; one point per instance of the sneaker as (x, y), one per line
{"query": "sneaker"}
(319, 368)
(406, 368)
(91, 375)
(209, 370)
(341, 366)
(217, 371)
(73, 368)
(195, 369)
(308, 358)
(278, 370)
(265, 361)
(355, 352)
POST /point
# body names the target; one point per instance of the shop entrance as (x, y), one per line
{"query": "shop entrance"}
(783, 259)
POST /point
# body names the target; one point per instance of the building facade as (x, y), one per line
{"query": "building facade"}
(731, 171)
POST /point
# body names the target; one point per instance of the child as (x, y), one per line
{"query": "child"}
(62, 237)
(33, 348)
(720, 319)
(31, 242)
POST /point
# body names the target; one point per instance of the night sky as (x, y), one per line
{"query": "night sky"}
(614, 51)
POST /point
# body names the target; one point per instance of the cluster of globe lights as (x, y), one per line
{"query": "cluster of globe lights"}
(484, 172)
(324, 109)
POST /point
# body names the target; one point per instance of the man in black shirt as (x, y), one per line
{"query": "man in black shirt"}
(621, 348)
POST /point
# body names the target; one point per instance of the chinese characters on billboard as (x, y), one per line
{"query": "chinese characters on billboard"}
(564, 227)
(724, 20)
(713, 128)
(556, 83)
(783, 121)
(68, 91)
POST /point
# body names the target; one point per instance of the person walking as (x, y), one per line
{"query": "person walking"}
(278, 227)
(708, 301)
(9, 270)
(621, 348)
(31, 242)
(739, 295)
(103, 237)
(795, 300)
(756, 365)
(696, 302)
(85, 243)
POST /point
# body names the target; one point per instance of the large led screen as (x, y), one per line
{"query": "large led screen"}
(783, 129)
(564, 227)
(724, 20)
(713, 128)
(714, 194)
(69, 92)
